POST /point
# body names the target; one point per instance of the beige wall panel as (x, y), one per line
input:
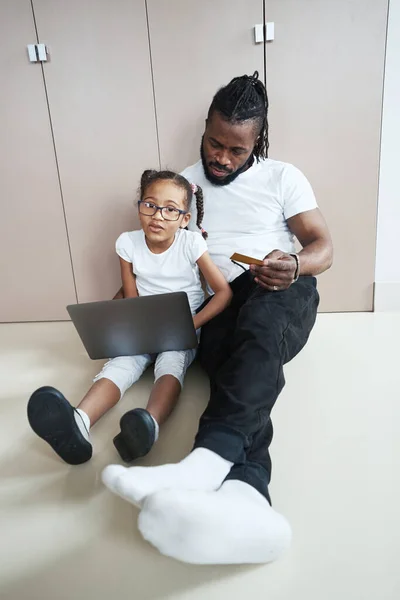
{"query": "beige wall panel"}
(325, 80)
(101, 102)
(35, 268)
(197, 46)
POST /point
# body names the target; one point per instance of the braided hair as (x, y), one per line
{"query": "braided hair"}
(150, 176)
(245, 99)
(198, 193)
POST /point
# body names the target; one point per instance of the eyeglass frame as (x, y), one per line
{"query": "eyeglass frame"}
(161, 208)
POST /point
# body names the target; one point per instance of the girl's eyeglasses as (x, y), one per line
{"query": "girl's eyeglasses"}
(169, 213)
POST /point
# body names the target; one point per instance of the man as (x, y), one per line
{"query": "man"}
(214, 506)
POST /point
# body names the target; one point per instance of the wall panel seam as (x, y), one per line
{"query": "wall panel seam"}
(56, 159)
(153, 85)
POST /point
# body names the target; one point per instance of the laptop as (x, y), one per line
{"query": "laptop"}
(143, 325)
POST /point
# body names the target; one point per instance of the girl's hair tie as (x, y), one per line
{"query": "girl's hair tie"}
(194, 187)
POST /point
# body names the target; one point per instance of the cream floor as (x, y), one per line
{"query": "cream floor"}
(336, 477)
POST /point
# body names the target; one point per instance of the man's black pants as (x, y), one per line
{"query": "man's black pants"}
(243, 351)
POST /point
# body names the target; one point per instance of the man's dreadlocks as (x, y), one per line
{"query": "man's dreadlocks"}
(245, 99)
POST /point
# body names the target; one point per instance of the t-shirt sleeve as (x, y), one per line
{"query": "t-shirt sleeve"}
(124, 247)
(197, 246)
(297, 193)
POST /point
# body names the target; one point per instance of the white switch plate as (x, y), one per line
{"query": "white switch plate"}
(259, 32)
(42, 52)
(32, 53)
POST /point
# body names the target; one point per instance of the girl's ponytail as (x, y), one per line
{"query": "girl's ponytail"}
(198, 192)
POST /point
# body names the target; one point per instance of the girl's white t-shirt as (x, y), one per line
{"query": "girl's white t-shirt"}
(174, 270)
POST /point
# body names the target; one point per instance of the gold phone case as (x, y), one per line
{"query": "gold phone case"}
(247, 260)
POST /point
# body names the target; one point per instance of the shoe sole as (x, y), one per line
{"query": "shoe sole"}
(52, 418)
(137, 435)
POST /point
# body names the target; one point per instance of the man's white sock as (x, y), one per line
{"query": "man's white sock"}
(202, 469)
(233, 525)
(83, 422)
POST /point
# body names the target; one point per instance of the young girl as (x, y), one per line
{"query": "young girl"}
(161, 257)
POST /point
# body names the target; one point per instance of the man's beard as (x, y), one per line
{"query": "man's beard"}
(230, 177)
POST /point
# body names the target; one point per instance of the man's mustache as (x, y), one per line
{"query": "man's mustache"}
(220, 167)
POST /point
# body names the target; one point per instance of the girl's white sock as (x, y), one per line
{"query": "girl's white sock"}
(202, 470)
(233, 525)
(157, 430)
(83, 422)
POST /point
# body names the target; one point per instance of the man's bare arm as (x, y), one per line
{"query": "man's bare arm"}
(311, 230)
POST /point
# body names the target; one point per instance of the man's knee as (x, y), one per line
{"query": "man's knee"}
(261, 318)
(280, 322)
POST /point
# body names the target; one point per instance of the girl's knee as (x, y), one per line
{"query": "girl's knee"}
(177, 373)
(123, 371)
(173, 363)
(121, 382)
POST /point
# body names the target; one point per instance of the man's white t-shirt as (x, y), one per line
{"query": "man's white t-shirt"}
(249, 215)
(174, 270)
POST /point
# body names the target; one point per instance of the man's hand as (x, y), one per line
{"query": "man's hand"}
(277, 272)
